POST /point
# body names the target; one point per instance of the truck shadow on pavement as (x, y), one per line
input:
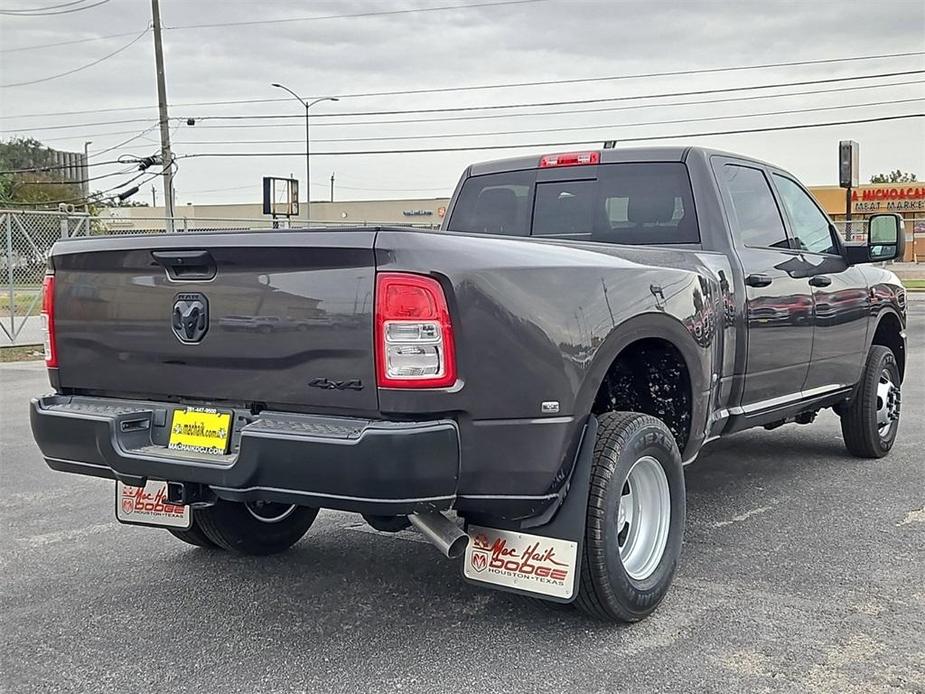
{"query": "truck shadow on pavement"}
(342, 574)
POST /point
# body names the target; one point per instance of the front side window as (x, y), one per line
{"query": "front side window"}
(810, 226)
(758, 219)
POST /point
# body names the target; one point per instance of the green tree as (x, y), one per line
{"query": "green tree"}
(893, 177)
(32, 187)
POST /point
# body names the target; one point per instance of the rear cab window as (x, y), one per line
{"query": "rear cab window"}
(623, 203)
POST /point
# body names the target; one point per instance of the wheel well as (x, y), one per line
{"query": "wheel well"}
(649, 376)
(889, 334)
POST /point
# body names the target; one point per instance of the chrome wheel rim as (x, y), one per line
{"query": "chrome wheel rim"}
(888, 402)
(643, 517)
(269, 511)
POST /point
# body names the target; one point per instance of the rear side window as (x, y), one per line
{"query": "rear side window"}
(758, 219)
(495, 204)
(645, 204)
(629, 203)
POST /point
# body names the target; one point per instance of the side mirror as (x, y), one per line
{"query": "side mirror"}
(886, 240)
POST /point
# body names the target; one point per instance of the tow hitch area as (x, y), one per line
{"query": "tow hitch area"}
(543, 563)
(149, 505)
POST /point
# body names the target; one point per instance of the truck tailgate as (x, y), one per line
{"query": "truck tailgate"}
(289, 317)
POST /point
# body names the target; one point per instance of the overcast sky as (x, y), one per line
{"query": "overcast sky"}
(540, 40)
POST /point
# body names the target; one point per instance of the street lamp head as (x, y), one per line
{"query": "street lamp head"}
(276, 85)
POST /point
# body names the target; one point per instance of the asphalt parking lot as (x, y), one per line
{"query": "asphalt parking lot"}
(803, 570)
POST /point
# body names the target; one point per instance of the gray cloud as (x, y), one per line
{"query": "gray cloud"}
(546, 40)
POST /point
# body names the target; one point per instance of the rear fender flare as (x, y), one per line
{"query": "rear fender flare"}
(665, 327)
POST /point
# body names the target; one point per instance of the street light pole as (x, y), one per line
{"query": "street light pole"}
(308, 169)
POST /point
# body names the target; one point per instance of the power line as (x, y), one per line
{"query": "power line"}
(566, 129)
(81, 181)
(48, 7)
(125, 142)
(381, 13)
(608, 109)
(82, 136)
(612, 78)
(505, 85)
(291, 19)
(88, 198)
(552, 144)
(39, 13)
(88, 125)
(77, 69)
(635, 97)
(55, 167)
(663, 95)
(72, 42)
(495, 116)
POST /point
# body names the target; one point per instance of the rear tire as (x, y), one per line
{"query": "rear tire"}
(635, 521)
(255, 529)
(193, 536)
(870, 422)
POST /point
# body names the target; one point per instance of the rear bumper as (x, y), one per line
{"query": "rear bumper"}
(367, 466)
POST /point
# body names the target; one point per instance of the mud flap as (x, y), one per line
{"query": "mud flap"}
(545, 562)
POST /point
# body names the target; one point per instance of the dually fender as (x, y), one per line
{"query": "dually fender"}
(696, 351)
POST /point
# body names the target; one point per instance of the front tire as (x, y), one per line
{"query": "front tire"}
(256, 529)
(635, 518)
(870, 422)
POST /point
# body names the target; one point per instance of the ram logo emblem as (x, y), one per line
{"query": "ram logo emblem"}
(190, 318)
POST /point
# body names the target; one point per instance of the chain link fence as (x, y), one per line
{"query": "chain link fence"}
(854, 231)
(121, 226)
(27, 238)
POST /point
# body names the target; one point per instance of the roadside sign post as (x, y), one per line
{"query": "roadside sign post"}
(848, 157)
(280, 198)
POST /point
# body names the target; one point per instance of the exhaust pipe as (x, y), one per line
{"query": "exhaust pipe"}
(441, 532)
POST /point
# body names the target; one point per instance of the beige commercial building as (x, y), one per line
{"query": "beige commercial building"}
(908, 199)
(427, 212)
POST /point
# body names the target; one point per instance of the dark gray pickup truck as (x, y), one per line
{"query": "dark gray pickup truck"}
(544, 366)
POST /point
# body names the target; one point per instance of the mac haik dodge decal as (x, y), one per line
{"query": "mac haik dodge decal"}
(526, 562)
(148, 505)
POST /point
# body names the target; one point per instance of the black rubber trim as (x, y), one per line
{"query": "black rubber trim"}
(368, 466)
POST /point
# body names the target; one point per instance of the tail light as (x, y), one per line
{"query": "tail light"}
(48, 321)
(414, 337)
(570, 159)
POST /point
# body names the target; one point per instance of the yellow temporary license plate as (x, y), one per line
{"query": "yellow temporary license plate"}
(201, 430)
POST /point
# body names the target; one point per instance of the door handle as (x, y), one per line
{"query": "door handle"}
(820, 281)
(758, 280)
(186, 265)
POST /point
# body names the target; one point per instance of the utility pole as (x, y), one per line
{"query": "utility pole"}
(86, 171)
(153, 196)
(332, 186)
(166, 156)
